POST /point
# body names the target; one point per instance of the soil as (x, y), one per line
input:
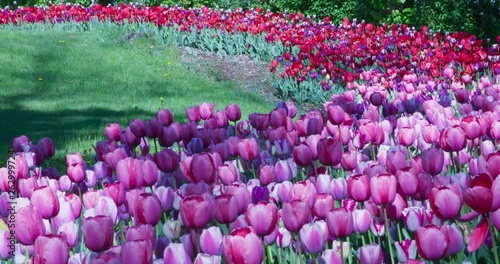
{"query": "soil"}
(250, 75)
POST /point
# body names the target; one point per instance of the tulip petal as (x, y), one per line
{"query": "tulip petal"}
(478, 235)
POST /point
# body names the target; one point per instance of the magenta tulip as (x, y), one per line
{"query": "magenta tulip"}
(29, 225)
(323, 205)
(436, 249)
(454, 237)
(129, 173)
(197, 210)
(329, 152)
(312, 238)
(446, 202)
(233, 112)
(295, 215)
(46, 201)
(148, 209)
(358, 187)
(262, 217)
(98, 233)
(302, 155)
(51, 249)
(248, 149)
(176, 253)
(211, 241)
(226, 208)
(76, 172)
(113, 132)
(340, 222)
(71, 232)
(116, 192)
(406, 250)
(243, 238)
(452, 139)
(164, 117)
(228, 174)
(361, 220)
(137, 251)
(483, 194)
(383, 189)
(167, 160)
(413, 217)
(371, 254)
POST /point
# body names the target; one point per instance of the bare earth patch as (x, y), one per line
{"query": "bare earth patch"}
(250, 75)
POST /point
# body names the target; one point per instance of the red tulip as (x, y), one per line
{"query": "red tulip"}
(329, 152)
(446, 202)
(148, 209)
(197, 210)
(483, 194)
(226, 208)
(137, 251)
(262, 217)
(340, 222)
(358, 187)
(431, 251)
(46, 201)
(98, 233)
(383, 189)
(51, 249)
(29, 225)
(243, 238)
(295, 215)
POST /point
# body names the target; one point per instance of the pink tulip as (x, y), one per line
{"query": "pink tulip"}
(211, 241)
(241, 193)
(71, 232)
(312, 238)
(116, 192)
(371, 254)
(340, 222)
(430, 134)
(176, 253)
(454, 237)
(436, 249)
(226, 208)
(406, 250)
(46, 201)
(228, 174)
(248, 149)
(29, 225)
(193, 114)
(452, 139)
(51, 249)
(349, 161)
(98, 233)
(130, 174)
(148, 209)
(407, 180)
(358, 187)
(150, 172)
(295, 215)
(446, 202)
(284, 171)
(26, 186)
(90, 198)
(233, 112)
(331, 256)
(383, 189)
(266, 174)
(263, 217)
(197, 210)
(361, 220)
(166, 197)
(323, 205)
(112, 158)
(113, 132)
(206, 110)
(76, 172)
(413, 217)
(75, 202)
(243, 238)
(137, 251)
(407, 136)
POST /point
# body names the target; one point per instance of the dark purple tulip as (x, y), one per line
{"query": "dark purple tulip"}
(302, 155)
(259, 121)
(329, 152)
(336, 114)
(218, 135)
(376, 99)
(164, 117)
(260, 193)
(153, 128)
(167, 160)
(98, 233)
(188, 131)
(138, 128)
(195, 146)
(314, 126)
(47, 146)
(168, 136)
(292, 109)
(432, 161)
(462, 95)
(21, 143)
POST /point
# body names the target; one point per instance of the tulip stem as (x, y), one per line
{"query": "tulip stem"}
(493, 239)
(197, 240)
(399, 231)
(122, 232)
(269, 254)
(350, 255)
(388, 235)
(299, 251)
(459, 164)
(27, 252)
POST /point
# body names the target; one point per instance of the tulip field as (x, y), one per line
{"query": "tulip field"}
(398, 162)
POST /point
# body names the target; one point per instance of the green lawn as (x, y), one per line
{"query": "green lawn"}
(69, 86)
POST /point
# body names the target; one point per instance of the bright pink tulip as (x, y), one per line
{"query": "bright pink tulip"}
(26, 186)
(76, 172)
(495, 219)
(98, 233)
(148, 209)
(207, 259)
(452, 139)
(302, 155)
(383, 189)
(407, 136)
(206, 110)
(112, 158)
(46, 201)
(193, 114)
(51, 249)
(406, 250)
(303, 191)
(248, 149)
(243, 238)
(371, 254)
(29, 225)
(113, 132)
(197, 210)
(436, 249)
(446, 202)
(137, 251)
(430, 133)
(295, 215)
(340, 222)
(349, 161)
(241, 193)
(262, 217)
(228, 174)
(226, 208)
(266, 174)
(150, 172)
(211, 241)
(483, 194)
(129, 173)
(312, 238)
(358, 187)
(323, 205)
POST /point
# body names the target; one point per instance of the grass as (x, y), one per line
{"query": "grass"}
(69, 86)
